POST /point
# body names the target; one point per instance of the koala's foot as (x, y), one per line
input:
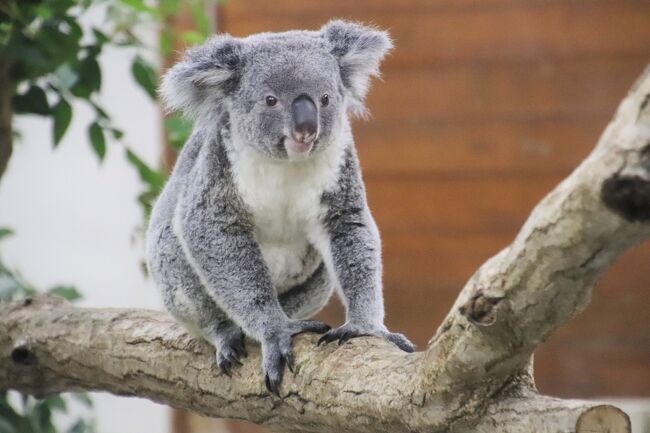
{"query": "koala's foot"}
(350, 330)
(230, 348)
(277, 351)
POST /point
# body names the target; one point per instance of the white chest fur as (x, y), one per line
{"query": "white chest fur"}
(285, 200)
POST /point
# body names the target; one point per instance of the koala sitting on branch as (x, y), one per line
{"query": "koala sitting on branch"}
(265, 212)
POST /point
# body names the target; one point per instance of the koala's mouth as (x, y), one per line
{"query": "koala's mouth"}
(298, 149)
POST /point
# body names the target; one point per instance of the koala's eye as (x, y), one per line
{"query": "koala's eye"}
(325, 99)
(271, 100)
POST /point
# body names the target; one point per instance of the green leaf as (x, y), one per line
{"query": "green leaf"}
(99, 111)
(33, 101)
(166, 42)
(100, 37)
(62, 113)
(192, 37)
(68, 292)
(14, 419)
(154, 178)
(117, 133)
(55, 403)
(97, 140)
(90, 78)
(41, 418)
(201, 20)
(140, 6)
(179, 130)
(145, 76)
(75, 30)
(90, 73)
(5, 232)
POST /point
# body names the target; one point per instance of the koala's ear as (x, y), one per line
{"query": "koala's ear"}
(359, 50)
(205, 75)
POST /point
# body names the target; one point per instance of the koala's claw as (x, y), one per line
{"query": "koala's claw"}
(342, 334)
(276, 356)
(400, 341)
(230, 353)
(277, 351)
(348, 331)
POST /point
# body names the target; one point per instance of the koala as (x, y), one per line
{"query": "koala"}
(265, 214)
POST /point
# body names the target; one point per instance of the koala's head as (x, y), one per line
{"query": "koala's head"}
(287, 94)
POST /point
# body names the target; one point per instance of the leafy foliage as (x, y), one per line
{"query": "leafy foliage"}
(54, 62)
(23, 414)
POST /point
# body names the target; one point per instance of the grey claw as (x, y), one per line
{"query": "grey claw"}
(401, 341)
(345, 337)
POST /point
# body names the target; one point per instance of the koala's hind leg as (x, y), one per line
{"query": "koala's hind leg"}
(308, 298)
(187, 300)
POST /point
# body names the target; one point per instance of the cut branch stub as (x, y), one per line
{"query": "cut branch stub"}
(603, 419)
(481, 309)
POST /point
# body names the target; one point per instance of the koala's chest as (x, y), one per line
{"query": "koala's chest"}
(284, 199)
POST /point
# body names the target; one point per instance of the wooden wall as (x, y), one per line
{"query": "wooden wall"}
(484, 106)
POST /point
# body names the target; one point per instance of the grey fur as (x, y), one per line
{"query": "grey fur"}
(208, 242)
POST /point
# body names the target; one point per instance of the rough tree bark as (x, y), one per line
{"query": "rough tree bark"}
(475, 375)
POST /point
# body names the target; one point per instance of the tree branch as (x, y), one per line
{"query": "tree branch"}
(474, 376)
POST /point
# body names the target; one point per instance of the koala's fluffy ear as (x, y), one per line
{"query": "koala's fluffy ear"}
(204, 76)
(359, 50)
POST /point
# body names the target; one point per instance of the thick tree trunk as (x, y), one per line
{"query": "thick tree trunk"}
(475, 374)
(6, 93)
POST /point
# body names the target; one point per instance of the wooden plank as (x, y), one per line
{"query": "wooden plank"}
(575, 369)
(427, 34)
(297, 10)
(448, 149)
(496, 204)
(432, 270)
(445, 261)
(488, 93)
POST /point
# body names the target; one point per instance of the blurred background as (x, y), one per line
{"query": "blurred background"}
(483, 108)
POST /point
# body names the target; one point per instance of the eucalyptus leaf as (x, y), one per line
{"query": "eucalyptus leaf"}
(144, 75)
(140, 6)
(62, 113)
(100, 37)
(55, 403)
(178, 129)
(154, 178)
(33, 101)
(97, 140)
(90, 78)
(68, 292)
(5, 232)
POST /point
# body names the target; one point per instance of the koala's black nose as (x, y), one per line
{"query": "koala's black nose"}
(305, 119)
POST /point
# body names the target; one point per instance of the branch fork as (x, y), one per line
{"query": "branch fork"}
(475, 375)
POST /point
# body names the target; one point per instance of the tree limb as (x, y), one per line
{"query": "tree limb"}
(474, 376)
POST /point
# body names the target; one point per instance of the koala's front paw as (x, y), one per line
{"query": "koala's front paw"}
(277, 351)
(230, 350)
(351, 330)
